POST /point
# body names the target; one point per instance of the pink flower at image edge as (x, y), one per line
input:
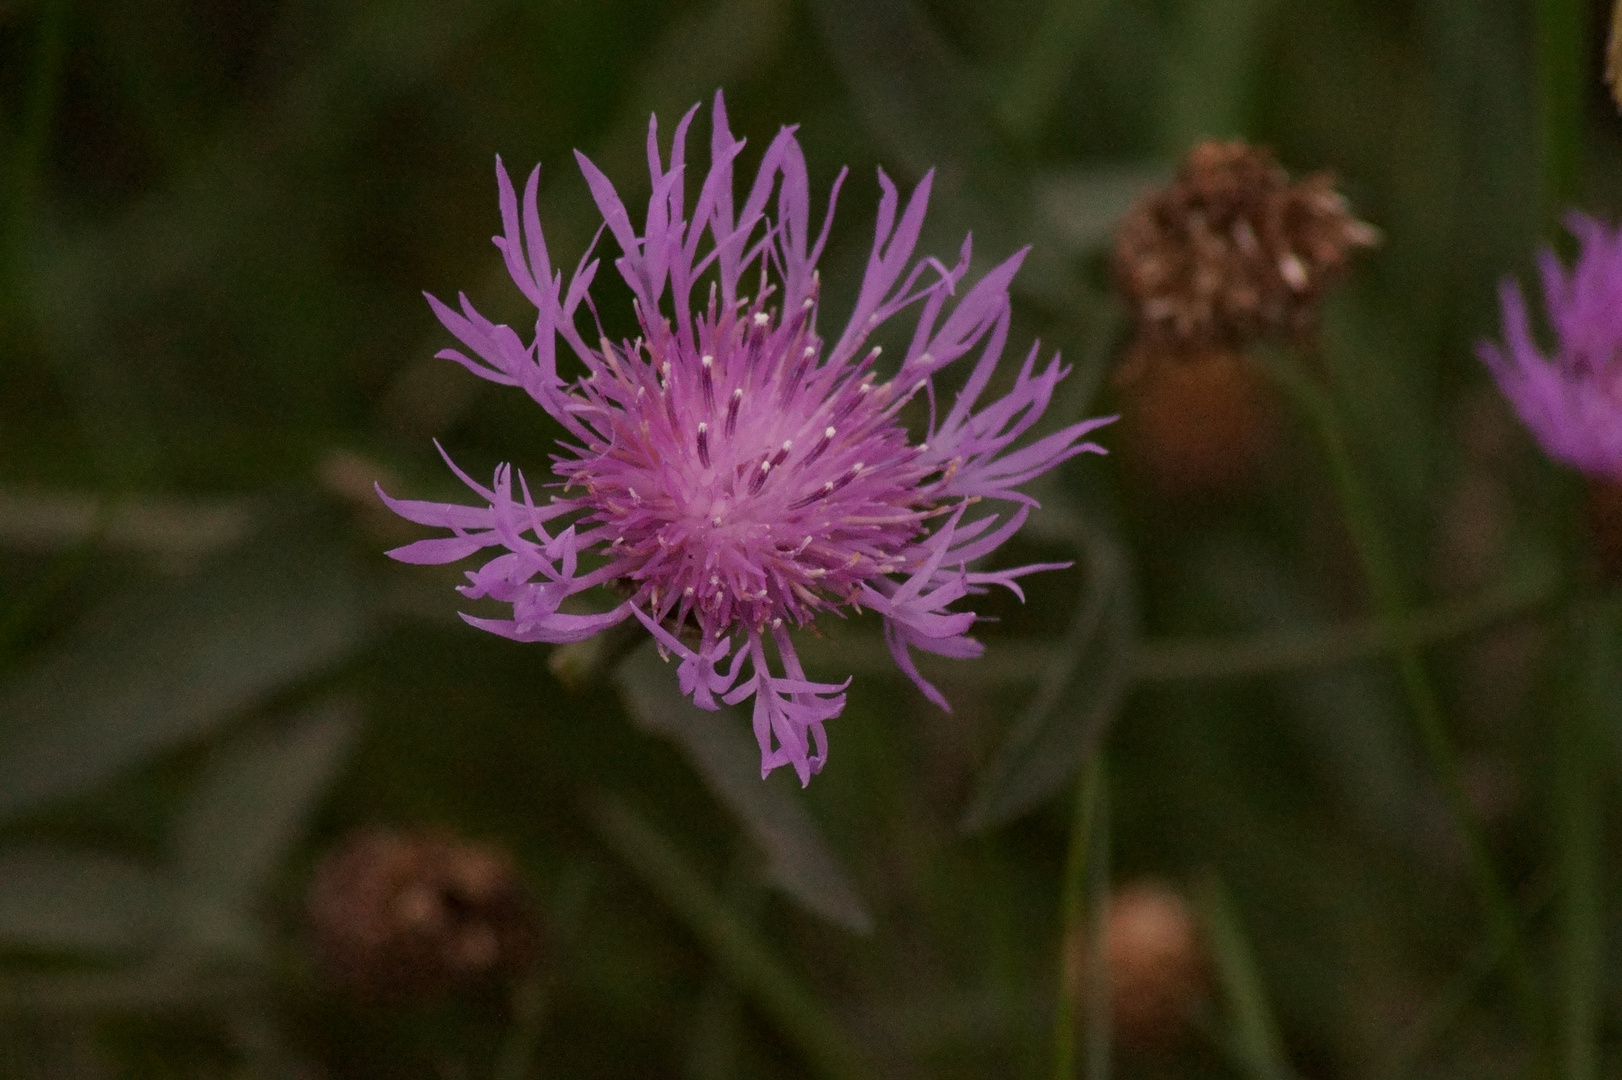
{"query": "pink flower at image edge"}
(1570, 401)
(732, 472)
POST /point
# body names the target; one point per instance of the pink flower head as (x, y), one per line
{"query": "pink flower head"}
(1572, 401)
(731, 471)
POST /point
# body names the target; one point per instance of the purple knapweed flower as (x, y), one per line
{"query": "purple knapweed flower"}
(730, 472)
(1572, 401)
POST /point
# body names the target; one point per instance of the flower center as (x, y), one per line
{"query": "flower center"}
(743, 478)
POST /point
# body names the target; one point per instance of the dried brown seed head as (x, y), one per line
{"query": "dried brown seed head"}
(1232, 252)
(395, 916)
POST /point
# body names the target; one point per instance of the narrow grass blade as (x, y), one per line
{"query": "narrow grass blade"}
(1256, 1040)
(798, 1016)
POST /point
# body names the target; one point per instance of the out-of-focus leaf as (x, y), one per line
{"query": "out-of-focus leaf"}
(1083, 206)
(911, 85)
(56, 900)
(1080, 694)
(927, 110)
(1255, 1041)
(798, 1016)
(150, 986)
(1350, 714)
(169, 660)
(718, 744)
(1028, 93)
(246, 813)
(48, 520)
(1212, 71)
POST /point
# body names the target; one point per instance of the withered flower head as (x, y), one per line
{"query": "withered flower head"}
(396, 916)
(1231, 252)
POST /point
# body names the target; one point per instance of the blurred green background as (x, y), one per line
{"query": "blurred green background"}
(218, 220)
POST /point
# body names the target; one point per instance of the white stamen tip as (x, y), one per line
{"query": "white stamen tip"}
(762, 319)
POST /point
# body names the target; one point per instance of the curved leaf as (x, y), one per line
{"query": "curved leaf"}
(247, 812)
(1080, 694)
(55, 900)
(170, 659)
(798, 860)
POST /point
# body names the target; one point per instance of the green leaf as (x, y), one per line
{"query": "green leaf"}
(168, 661)
(1212, 75)
(798, 1016)
(927, 110)
(1256, 1044)
(249, 809)
(145, 986)
(798, 860)
(56, 900)
(1080, 694)
(1083, 206)
(1027, 94)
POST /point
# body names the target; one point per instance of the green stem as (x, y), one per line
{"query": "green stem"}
(797, 1015)
(1562, 53)
(1577, 830)
(1446, 1008)
(34, 133)
(1076, 948)
(1220, 656)
(516, 1058)
(532, 997)
(1253, 1040)
(1392, 606)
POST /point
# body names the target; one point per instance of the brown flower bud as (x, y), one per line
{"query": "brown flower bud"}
(1198, 428)
(1154, 964)
(396, 916)
(1232, 251)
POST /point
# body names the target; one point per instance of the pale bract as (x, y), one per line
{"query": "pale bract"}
(731, 473)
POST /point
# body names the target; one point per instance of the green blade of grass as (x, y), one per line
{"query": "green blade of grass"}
(798, 1016)
(1257, 1044)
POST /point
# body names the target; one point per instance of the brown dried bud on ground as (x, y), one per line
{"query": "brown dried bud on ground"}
(1154, 963)
(1201, 428)
(397, 916)
(1232, 252)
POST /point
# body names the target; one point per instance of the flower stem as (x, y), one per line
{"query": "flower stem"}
(1578, 838)
(1562, 54)
(1078, 947)
(1392, 607)
(33, 137)
(798, 1016)
(1254, 1041)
